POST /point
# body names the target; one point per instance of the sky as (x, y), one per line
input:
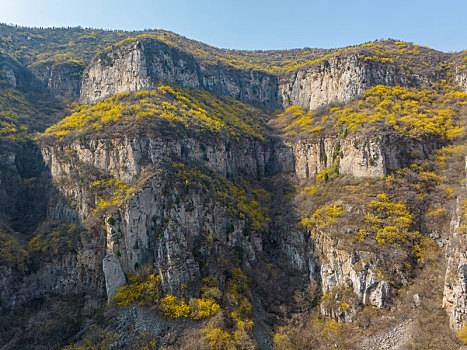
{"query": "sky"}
(260, 24)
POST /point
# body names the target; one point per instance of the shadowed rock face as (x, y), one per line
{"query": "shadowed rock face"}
(62, 78)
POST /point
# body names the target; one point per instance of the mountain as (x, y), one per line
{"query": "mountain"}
(160, 193)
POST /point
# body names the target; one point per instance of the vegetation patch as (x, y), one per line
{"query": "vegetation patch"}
(411, 112)
(11, 253)
(195, 110)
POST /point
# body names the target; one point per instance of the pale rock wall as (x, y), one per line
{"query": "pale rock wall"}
(150, 229)
(332, 266)
(455, 283)
(146, 62)
(139, 65)
(357, 270)
(460, 78)
(359, 156)
(335, 80)
(114, 276)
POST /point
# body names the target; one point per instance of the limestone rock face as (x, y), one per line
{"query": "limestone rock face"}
(114, 276)
(175, 236)
(160, 224)
(124, 158)
(455, 284)
(62, 78)
(141, 64)
(339, 79)
(334, 267)
(150, 228)
(361, 156)
(455, 291)
(357, 270)
(461, 78)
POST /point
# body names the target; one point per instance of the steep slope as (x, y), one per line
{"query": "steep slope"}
(170, 213)
(354, 261)
(336, 77)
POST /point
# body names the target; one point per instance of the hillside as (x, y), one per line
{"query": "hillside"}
(160, 193)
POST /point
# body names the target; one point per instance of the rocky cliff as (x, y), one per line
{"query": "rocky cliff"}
(139, 64)
(160, 224)
(340, 79)
(360, 156)
(455, 288)
(62, 78)
(198, 220)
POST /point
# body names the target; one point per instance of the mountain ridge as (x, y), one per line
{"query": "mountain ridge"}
(169, 196)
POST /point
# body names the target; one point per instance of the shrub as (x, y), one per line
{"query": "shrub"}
(203, 308)
(174, 307)
(141, 290)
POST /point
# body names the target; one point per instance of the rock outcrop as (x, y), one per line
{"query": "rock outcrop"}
(113, 274)
(337, 79)
(461, 78)
(152, 228)
(359, 156)
(62, 78)
(455, 285)
(140, 64)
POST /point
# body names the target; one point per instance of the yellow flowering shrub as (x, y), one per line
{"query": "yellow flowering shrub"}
(174, 307)
(192, 109)
(388, 222)
(323, 216)
(203, 308)
(140, 290)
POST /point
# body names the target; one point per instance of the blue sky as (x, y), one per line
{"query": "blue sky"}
(261, 24)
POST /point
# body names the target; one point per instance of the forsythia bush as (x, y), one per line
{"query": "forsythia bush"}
(217, 339)
(203, 308)
(146, 290)
(412, 112)
(387, 221)
(141, 291)
(194, 109)
(462, 335)
(323, 216)
(174, 307)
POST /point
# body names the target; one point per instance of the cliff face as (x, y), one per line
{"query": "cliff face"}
(139, 65)
(361, 156)
(455, 284)
(162, 224)
(177, 230)
(461, 78)
(62, 78)
(339, 79)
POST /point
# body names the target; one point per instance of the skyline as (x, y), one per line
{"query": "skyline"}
(259, 25)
